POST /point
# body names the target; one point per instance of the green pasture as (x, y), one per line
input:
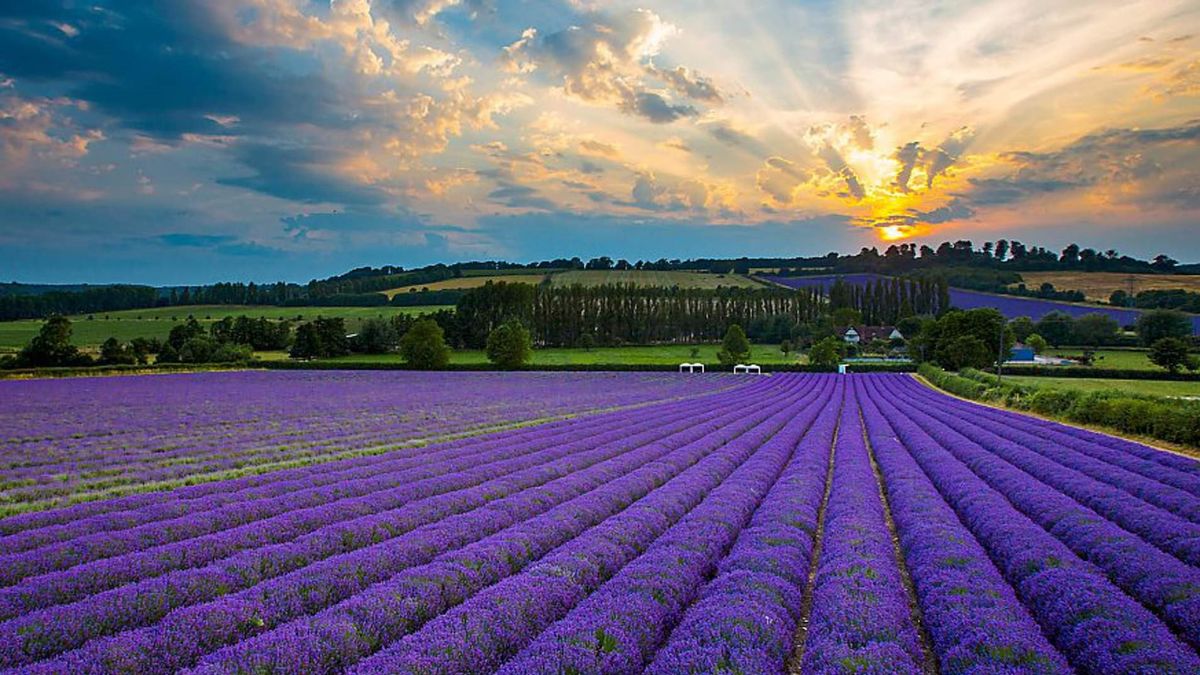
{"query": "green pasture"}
(636, 355)
(1148, 387)
(157, 322)
(1124, 359)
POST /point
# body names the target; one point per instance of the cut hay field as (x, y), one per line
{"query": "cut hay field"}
(1098, 286)
(683, 279)
(654, 278)
(467, 282)
(609, 523)
(157, 322)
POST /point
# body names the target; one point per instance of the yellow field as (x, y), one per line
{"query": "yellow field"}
(653, 278)
(463, 283)
(1099, 285)
(592, 278)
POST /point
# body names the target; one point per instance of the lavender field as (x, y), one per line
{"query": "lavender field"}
(1010, 306)
(581, 523)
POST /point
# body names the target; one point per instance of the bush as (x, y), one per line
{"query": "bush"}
(1172, 354)
(1157, 324)
(827, 353)
(735, 347)
(509, 345)
(424, 346)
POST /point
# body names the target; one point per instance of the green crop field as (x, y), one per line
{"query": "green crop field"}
(639, 355)
(1150, 387)
(157, 322)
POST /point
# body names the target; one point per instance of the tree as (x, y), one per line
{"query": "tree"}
(375, 336)
(1119, 298)
(965, 351)
(846, 316)
(113, 352)
(306, 346)
(142, 348)
(1171, 353)
(52, 346)
(1057, 328)
(735, 347)
(1036, 342)
(1022, 327)
(1096, 330)
(424, 346)
(785, 347)
(509, 345)
(1157, 324)
(945, 341)
(827, 353)
(587, 341)
(184, 332)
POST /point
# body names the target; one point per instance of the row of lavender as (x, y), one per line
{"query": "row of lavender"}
(60, 439)
(82, 586)
(802, 522)
(1009, 305)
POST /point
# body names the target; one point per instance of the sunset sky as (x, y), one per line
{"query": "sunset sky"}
(177, 141)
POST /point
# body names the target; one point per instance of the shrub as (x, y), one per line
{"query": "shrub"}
(424, 346)
(509, 345)
(735, 347)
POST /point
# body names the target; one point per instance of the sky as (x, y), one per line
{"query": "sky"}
(193, 141)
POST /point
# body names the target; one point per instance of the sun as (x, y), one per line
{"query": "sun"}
(894, 232)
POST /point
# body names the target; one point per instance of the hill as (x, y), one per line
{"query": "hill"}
(1098, 286)
(663, 278)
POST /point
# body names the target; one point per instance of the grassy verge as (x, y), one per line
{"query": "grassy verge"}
(1170, 420)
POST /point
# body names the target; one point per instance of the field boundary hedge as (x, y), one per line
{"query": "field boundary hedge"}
(1167, 419)
(98, 371)
(590, 367)
(1100, 373)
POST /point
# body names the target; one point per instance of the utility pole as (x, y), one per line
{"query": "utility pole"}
(1000, 354)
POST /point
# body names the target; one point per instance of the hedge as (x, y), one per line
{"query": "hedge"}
(1100, 373)
(1168, 419)
(591, 367)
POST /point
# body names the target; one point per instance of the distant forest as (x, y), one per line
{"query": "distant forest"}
(994, 266)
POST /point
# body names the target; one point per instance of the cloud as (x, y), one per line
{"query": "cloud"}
(946, 155)
(600, 149)
(655, 108)
(164, 68)
(907, 156)
(606, 60)
(41, 127)
(690, 84)
(183, 239)
(520, 197)
(1152, 168)
(301, 174)
(779, 179)
(729, 134)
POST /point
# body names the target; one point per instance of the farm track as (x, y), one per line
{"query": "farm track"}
(791, 523)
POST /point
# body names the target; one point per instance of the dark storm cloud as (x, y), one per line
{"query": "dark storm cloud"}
(299, 174)
(159, 66)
